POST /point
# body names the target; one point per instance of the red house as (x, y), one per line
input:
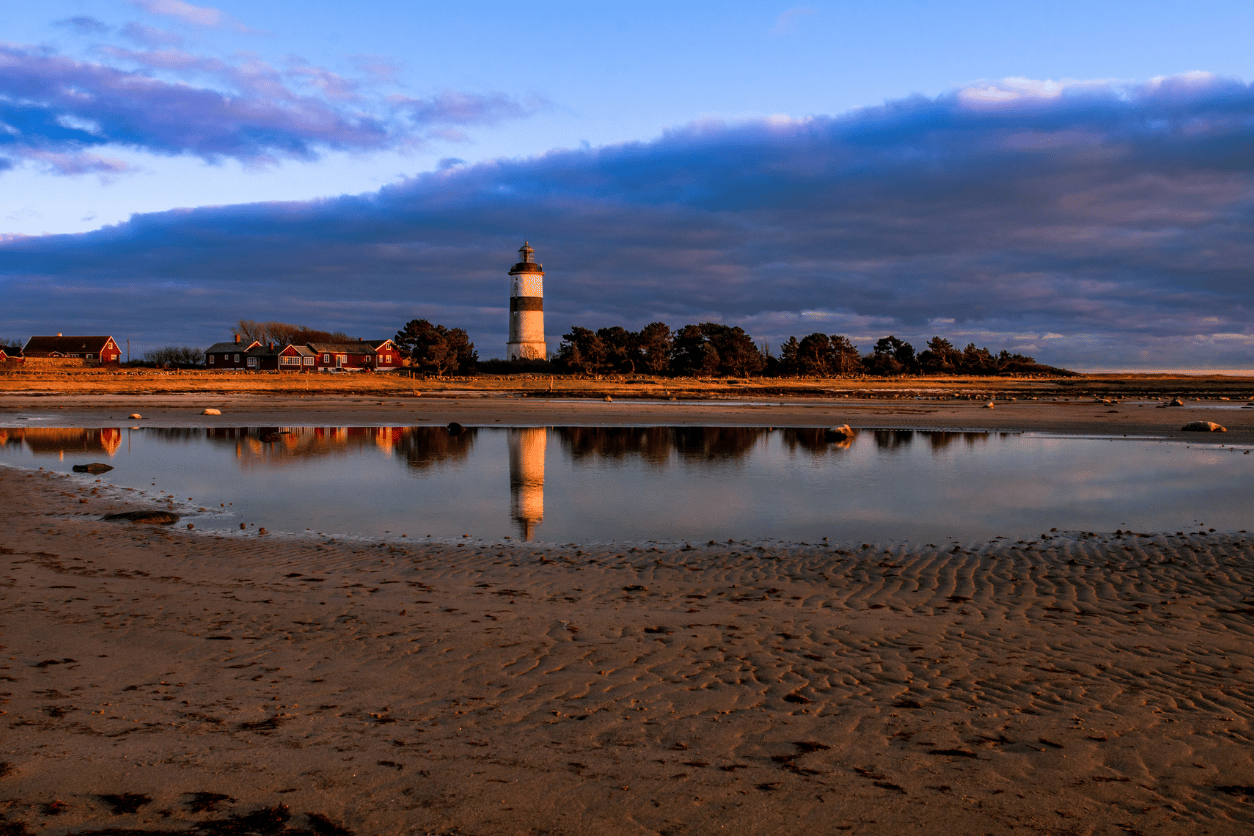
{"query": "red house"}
(355, 356)
(93, 350)
(232, 355)
(296, 358)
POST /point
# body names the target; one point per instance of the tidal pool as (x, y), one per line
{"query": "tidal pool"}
(673, 484)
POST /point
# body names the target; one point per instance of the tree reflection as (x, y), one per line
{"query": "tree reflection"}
(655, 445)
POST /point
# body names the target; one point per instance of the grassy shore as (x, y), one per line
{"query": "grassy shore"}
(96, 381)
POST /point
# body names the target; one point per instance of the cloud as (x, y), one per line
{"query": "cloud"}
(787, 22)
(246, 109)
(186, 12)
(150, 36)
(83, 25)
(1102, 226)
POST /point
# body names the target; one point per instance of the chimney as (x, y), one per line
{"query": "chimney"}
(236, 337)
(272, 345)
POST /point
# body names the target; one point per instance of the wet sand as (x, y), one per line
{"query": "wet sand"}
(1072, 684)
(1084, 415)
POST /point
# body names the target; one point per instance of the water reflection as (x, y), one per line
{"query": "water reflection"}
(526, 478)
(58, 442)
(661, 482)
(419, 447)
(656, 445)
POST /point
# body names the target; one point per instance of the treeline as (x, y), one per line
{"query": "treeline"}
(282, 333)
(713, 349)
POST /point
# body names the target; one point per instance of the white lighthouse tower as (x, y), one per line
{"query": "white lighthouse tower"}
(526, 309)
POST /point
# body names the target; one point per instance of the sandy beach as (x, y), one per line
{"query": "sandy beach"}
(164, 680)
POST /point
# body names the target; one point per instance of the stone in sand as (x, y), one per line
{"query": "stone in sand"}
(455, 428)
(1203, 427)
(135, 416)
(211, 411)
(988, 405)
(837, 433)
(1176, 402)
(94, 467)
(149, 517)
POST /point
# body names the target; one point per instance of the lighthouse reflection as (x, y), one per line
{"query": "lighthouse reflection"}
(526, 477)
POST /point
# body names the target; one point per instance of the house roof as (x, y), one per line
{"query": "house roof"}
(227, 348)
(42, 346)
(359, 347)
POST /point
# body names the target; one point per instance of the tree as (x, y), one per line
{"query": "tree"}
(737, 352)
(436, 349)
(620, 348)
(788, 355)
(977, 360)
(845, 356)
(939, 357)
(582, 349)
(814, 355)
(654, 346)
(173, 355)
(284, 333)
(691, 352)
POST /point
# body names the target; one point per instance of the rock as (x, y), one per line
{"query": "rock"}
(261, 531)
(988, 405)
(1175, 402)
(608, 399)
(211, 411)
(838, 433)
(134, 416)
(455, 428)
(1203, 427)
(148, 517)
(190, 526)
(94, 467)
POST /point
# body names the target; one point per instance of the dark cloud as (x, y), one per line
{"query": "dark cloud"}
(1092, 227)
(83, 25)
(54, 108)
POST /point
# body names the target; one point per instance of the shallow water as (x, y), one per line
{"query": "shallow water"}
(593, 484)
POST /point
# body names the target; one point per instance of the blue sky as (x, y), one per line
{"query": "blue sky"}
(1072, 180)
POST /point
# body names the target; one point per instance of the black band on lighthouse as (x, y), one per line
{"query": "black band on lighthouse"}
(525, 303)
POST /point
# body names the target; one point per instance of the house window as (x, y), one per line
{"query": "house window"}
(252, 362)
(211, 359)
(236, 358)
(309, 361)
(326, 358)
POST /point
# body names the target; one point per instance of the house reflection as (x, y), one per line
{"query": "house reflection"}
(51, 441)
(527, 447)
(420, 447)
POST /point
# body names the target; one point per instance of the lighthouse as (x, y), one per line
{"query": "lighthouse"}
(526, 308)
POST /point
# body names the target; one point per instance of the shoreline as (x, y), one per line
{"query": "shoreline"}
(1066, 417)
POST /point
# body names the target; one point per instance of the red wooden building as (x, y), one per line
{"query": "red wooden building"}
(233, 355)
(358, 355)
(355, 356)
(91, 350)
